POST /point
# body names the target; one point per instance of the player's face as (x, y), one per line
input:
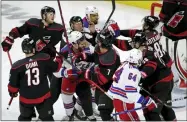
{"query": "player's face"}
(76, 46)
(50, 16)
(83, 44)
(145, 27)
(94, 18)
(78, 26)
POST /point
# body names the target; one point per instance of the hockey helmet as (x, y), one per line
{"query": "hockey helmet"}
(105, 38)
(75, 19)
(28, 45)
(151, 21)
(75, 37)
(46, 9)
(140, 38)
(91, 10)
(135, 56)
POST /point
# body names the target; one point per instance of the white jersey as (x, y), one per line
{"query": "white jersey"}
(125, 86)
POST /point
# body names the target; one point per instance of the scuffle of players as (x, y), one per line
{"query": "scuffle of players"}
(143, 63)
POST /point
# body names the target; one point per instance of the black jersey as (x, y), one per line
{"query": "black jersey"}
(174, 16)
(35, 29)
(29, 77)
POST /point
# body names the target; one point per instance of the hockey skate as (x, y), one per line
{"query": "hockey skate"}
(79, 115)
(95, 109)
(91, 118)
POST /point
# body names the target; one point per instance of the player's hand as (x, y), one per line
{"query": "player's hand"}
(69, 73)
(113, 28)
(92, 69)
(13, 94)
(7, 43)
(79, 57)
(40, 44)
(150, 103)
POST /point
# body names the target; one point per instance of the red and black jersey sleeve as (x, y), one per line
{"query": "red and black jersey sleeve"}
(129, 33)
(21, 30)
(122, 44)
(148, 68)
(14, 80)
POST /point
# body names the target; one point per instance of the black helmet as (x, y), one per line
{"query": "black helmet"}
(140, 37)
(27, 45)
(106, 38)
(151, 21)
(47, 9)
(75, 19)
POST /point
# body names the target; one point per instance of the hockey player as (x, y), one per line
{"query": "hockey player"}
(107, 61)
(78, 45)
(28, 77)
(125, 89)
(157, 77)
(90, 22)
(76, 24)
(43, 31)
(173, 16)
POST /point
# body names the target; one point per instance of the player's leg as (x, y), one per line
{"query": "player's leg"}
(161, 91)
(45, 110)
(68, 89)
(105, 106)
(121, 106)
(25, 112)
(84, 93)
(55, 88)
(94, 105)
(168, 113)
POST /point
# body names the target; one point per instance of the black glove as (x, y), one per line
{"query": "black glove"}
(15, 94)
(7, 43)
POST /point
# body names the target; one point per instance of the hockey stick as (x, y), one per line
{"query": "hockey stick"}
(160, 101)
(113, 9)
(139, 108)
(126, 111)
(93, 83)
(10, 60)
(65, 32)
(177, 99)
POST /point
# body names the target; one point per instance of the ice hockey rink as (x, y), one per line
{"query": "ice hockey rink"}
(14, 13)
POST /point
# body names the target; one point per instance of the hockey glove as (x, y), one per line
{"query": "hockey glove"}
(149, 102)
(40, 44)
(69, 73)
(13, 94)
(7, 43)
(113, 28)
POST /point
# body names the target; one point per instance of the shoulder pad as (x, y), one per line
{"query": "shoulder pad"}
(37, 57)
(33, 21)
(19, 63)
(108, 58)
(56, 26)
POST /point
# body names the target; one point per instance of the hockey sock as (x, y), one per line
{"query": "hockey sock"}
(68, 103)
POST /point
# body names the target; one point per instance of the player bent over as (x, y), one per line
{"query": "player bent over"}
(28, 76)
(125, 89)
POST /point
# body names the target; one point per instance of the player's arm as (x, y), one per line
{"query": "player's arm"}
(148, 68)
(122, 44)
(13, 85)
(129, 33)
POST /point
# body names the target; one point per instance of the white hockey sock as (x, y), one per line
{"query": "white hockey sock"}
(68, 103)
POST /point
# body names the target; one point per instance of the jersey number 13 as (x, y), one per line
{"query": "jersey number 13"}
(33, 76)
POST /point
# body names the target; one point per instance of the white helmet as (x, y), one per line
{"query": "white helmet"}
(135, 56)
(91, 10)
(74, 36)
